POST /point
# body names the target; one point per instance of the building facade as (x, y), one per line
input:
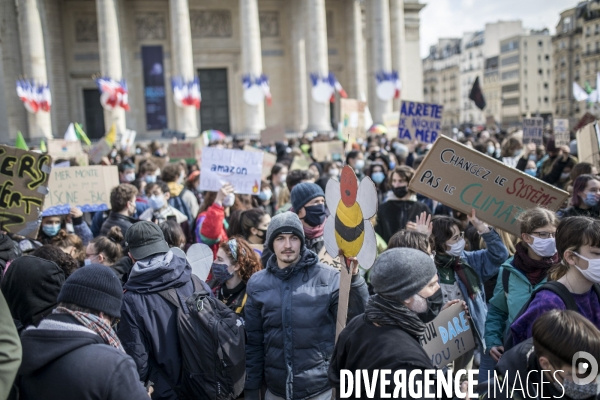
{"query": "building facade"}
(471, 68)
(66, 43)
(526, 77)
(492, 91)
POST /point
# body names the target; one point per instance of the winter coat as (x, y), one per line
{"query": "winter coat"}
(9, 250)
(393, 215)
(211, 227)
(486, 264)
(504, 307)
(290, 324)
(81, 229)
(64, 360)
(364, 346)
(148, 327)
(116, 219)
(10, 349)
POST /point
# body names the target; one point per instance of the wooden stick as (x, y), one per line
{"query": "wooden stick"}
(343, 296)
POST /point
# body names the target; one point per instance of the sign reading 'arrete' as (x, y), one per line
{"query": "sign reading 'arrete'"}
(420, 121)
(465, 179)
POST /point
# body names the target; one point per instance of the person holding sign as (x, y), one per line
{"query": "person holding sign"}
(403, 279)
(462, 273)
(518, 277)
(211, 227)
(291, 315)
(584, 202)
(400, 206)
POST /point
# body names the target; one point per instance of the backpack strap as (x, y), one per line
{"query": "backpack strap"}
(561, 291)
(505, 277)
(241, 307)
(596, 288)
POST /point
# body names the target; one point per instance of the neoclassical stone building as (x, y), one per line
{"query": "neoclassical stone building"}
(147, 42)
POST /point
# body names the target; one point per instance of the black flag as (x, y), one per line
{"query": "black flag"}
(477, 95)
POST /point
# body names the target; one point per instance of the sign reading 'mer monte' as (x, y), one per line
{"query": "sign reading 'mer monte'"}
(465, 179)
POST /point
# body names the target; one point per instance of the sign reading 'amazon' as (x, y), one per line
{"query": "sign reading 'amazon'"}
(465, 179)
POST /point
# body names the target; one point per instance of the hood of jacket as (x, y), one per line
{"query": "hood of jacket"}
(159, 272)
(307, 259)
(55, 337)
(31, 286)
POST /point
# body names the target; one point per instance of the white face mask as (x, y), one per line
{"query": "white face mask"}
(282, 178)
(229, 200)
(359, 165)
(333, 172)
(87, 261)
(130, 177)
(592, 273)
(543, 247)
(457, 248)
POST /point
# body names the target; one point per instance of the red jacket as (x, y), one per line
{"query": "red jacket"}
(211, 227)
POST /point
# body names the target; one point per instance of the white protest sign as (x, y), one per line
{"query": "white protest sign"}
(561, 132)
(533, 130)
(420, 121)
(242, 169)
(448, 336)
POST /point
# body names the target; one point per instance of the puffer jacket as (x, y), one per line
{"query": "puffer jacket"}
(290, 322)
(148, 327)
(486, 264)
(504, 307)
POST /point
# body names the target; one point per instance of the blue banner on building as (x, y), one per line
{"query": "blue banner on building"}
(154, 87)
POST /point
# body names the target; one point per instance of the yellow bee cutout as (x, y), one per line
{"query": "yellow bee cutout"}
(348, 231)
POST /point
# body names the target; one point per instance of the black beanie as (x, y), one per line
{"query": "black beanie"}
(96, 287)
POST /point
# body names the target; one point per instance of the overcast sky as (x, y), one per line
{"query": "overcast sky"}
(450, 18)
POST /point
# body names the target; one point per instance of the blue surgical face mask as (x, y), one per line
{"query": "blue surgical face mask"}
(517, 153)
(378, 177)
(392, 165)
(157, 202)
(491, 149)
(533, 157)
(531, 171)
(221, 273)
(150, 178)
(51, 229)
(591, 200)
(265, 195)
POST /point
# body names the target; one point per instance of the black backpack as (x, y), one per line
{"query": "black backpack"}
(178, 203)
(555, 287)
(212, 342)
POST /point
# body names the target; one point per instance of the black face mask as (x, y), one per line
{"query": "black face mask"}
(434, 305)
(261, 234)
(400, 191)
(315, 215)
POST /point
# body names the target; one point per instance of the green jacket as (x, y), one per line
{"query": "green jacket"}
(10, 349)
(504, 307)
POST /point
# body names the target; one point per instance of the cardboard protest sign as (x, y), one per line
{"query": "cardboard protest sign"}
(64, 149)
(465, 179)
(533, 130)
(348, 232)
(327, 151)
(242, 169)
(23, 186)
(420, 121)
(588, 144)
(272, 134)
(190, 151)
(561, 132)
(268, 161)
(352, 114)
(85, 187)
(390, 121)
(449, 336)
(101, 149)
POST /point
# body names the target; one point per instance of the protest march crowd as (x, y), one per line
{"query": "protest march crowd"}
(106, 305)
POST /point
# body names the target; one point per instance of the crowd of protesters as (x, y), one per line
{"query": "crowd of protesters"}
(85, 312)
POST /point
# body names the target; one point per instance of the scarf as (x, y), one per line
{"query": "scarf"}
(385, 312)
(95, 324)
(311, 232)
(535, 270)
(465, 273)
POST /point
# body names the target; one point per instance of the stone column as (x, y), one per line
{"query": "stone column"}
(34, 61)
(182, 54)
(317, 61)
(251, 61)
(109, 44)
(381, 51)
(398, 42)
(355, 63)
(300, 75)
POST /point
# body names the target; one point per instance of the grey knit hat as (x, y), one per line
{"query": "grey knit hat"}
(286, 222)
(400, 273)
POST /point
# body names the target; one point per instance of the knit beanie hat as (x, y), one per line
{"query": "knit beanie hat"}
(284, 223)
(400, 273)
(304, 192)
(96, 287)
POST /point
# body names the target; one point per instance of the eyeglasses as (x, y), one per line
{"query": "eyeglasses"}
(544, 235)
(459, 236)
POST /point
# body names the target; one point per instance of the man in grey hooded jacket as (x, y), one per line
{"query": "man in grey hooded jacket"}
(291, 314)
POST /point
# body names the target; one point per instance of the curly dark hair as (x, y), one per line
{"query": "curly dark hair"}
(120, 195)
(52, 253)
(247, 258)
